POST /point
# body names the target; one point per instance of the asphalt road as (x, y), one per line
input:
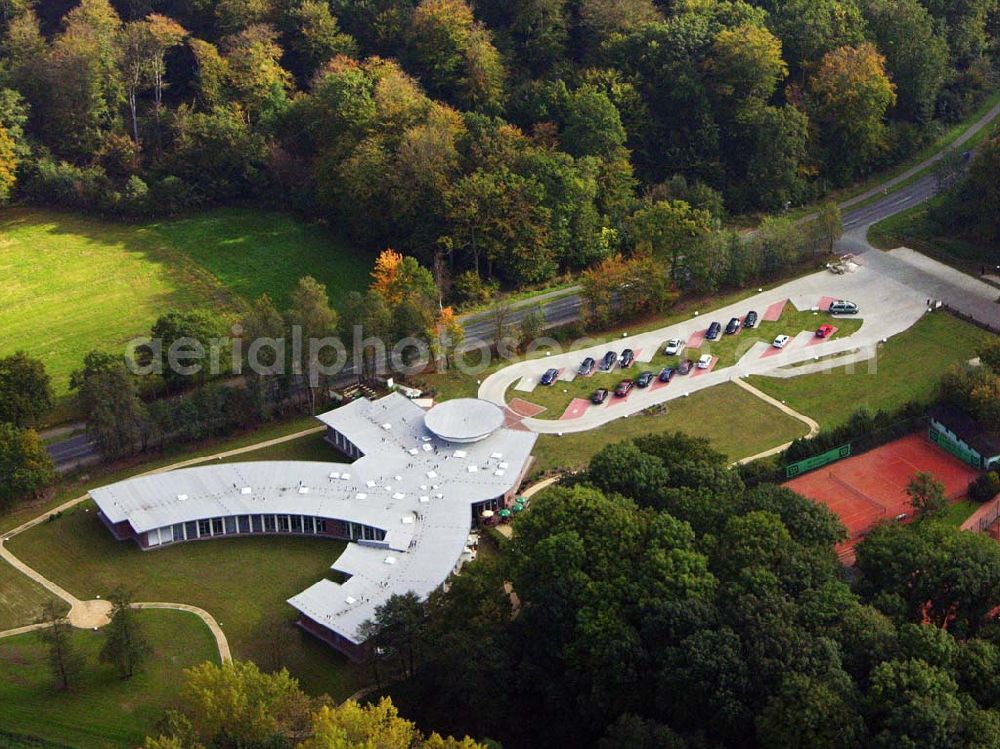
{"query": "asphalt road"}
(72, 452)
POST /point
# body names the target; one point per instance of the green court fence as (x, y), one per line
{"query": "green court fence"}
(943, 441)
(818, 461)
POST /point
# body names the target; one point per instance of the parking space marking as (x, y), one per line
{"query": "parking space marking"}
(773, 313)
(816, 340)
(825, 302)
(576, 408)
(696, 339)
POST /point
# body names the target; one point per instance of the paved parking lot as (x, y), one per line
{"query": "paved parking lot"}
(888, 307)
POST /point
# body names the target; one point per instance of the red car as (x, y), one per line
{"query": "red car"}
(624, 388)
(825, 331)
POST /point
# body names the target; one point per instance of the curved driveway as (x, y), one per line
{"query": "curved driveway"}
(887, 306)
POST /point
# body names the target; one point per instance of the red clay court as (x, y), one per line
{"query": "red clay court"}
(871, 487)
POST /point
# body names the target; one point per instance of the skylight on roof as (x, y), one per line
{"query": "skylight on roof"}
(361, 495)
(335, 475)
(345, 476)
(428, 448)
(413, 451)
(473, 468)
(182, 497)
(303, 490)
(496, 456)
(390, 560)
(460, 453)
(407, 519)
(499, 472)
(425, 499)
(350, 600)
(370, 484)
(246, 490)
(387, 426)
(398, 495)
(431, 474)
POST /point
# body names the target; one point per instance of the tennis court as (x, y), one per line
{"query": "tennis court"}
(871, 487)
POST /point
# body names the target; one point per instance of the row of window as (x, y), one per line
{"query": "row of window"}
(242, 524)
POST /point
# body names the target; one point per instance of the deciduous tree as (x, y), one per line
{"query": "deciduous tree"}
(126, 645)
(25, 389)
(65, 660)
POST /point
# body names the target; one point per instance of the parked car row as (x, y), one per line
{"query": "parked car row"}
(675, 346)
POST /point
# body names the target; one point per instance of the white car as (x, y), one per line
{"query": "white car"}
(674, 347)
(705, 361)
(780, 341)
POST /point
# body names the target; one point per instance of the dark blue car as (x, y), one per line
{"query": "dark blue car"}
(549, 377)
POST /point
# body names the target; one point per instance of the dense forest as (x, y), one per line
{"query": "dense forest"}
(660, 603)
(510, 138)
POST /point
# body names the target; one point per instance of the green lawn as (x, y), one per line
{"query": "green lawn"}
(908, 368)
(729, 349)
(242, 582)
(73, 283)
(21, 599)
(912, 228)
(253, 252)
(104, 710)
(737, 423)
(959, 512)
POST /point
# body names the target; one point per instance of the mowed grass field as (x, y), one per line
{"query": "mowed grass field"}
(74, 283)
(103, 710)
(21, 599)
(908, 367)
(735, 422)
(242, 582)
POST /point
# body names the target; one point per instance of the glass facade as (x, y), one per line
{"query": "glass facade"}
(250, 524)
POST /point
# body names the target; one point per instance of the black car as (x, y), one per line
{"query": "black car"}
(628, 356)
(666, 374)
(600, 395)
(733, 326)
(685, 367)
(608, 361)
(714, 330)
(623, 388)
(586, 367)
(549, 377)
(644, 379)
(750, 321)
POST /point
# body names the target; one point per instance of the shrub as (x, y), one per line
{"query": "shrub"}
(985, 487)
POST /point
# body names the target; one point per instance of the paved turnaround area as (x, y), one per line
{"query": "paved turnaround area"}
(892, 290)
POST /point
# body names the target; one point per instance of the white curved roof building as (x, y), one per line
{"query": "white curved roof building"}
(407, 501)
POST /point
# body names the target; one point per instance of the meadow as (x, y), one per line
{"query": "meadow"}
(102, 709)
(74, 283)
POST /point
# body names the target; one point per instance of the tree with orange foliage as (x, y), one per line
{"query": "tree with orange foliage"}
(386, 275)
(446, 336)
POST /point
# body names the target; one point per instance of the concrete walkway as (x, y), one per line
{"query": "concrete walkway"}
(95, 613)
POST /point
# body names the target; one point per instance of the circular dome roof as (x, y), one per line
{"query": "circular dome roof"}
(464, 419)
